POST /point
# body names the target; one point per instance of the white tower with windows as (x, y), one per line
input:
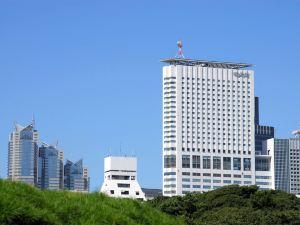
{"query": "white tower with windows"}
(208, 125)
(120, 178)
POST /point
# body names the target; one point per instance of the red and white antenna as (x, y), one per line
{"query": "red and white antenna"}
(179, 54)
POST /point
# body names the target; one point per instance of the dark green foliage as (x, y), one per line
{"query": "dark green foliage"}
(22, 204)
(233, 205)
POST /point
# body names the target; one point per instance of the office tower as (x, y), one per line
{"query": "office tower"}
(294, 164)
(76, 176)
(280, 171)
(208, 125)
(22, 154)
(120, 178)
(50, 167)
(262, 133)
(286, 153)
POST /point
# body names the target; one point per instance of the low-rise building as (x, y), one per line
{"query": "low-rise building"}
(120, 178)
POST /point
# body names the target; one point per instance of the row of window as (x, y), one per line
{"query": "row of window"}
(208, 162)
(195, 174)
(215, 187)
(203, 91)
(213, 80)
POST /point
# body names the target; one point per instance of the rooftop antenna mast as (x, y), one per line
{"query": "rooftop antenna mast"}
(179, 54)
(33, 121)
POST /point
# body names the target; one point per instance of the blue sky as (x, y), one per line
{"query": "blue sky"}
(90, 72)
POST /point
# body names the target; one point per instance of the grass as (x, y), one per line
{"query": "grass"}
(23, 204)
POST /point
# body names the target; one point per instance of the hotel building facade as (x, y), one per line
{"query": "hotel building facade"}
(208, 125)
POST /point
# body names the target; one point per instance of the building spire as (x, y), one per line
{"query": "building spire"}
(33, 121)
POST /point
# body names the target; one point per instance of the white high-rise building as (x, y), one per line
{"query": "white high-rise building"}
(120, 178)
(208, 125)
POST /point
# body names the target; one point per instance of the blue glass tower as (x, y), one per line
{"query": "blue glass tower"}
(76, 176)
(50, 167)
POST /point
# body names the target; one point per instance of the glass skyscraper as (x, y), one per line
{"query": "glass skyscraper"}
(76, 176)
(50, 167)
(23, 154)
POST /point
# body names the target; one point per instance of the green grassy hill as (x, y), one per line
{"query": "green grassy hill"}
(234, 205)
(22, 204)
(230, 205)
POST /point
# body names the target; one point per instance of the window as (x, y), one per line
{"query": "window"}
(169, 173)
(196, 161)
(206, 174)
(112, 192)
(186, 173)
(119, 177)
(123, 185)
(237, 163)
(185, 161)
(206, 187)
(206, 162)
(262, 164)
(247, 164)
(124, 192)
(169, 161)
(226, 163)
(216, 162)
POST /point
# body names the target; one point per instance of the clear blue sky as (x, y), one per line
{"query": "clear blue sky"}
(90, 70)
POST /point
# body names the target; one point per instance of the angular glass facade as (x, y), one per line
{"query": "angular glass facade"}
(50, 174)
(76, 177)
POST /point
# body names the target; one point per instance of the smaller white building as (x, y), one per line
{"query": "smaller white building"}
(120, 178)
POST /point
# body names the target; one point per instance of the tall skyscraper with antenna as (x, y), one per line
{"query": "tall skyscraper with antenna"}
(23, 154)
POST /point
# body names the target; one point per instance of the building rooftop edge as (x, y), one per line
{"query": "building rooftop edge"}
(206, 63)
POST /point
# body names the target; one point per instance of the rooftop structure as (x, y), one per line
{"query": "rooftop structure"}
(205, 63)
